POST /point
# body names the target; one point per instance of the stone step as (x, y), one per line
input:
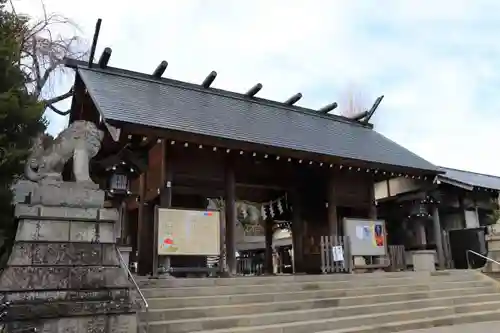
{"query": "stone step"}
(171, 298)
(306, 321)
(300, 286)
(145, 283)
(457, 296)
(400, 326)
(362, 296)
(261, 300)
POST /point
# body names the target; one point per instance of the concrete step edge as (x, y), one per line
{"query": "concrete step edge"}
(228, 306)
(410, 324)
(291, 324)
(443, 279)
(299, 277)
(180, 321)
(485, 284)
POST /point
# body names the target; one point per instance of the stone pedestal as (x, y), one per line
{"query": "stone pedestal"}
(63, 274)
(424, 261)
(493, 241)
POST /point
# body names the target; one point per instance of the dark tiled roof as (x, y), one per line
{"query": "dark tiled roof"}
(470, 179)
(137, 98)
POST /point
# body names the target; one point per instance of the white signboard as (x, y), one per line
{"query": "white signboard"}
(337, 253)
(188, 232)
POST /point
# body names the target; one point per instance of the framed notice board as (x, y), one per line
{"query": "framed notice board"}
(367, 237)
(188, 232)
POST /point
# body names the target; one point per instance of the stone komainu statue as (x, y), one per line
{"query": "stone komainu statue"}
(80, 141)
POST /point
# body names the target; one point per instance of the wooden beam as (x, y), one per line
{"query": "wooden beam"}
(104, 59)
(373, 109)
(294, 99)
(94, 42)
(360, 116)
(254, 90)
(327, 108)
(209, 79)
(160, 69)
(271, 184)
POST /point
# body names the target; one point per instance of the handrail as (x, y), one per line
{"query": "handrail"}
(479, 255)
(129, 274)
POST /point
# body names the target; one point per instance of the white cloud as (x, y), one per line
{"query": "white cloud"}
(433, 60)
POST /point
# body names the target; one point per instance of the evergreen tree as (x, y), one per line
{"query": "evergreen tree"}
(20, 116)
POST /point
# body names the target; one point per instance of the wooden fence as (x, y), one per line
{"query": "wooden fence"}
(397, 257)
(335, 254)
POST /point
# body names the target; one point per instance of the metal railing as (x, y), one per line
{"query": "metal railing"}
(131, 277)
(479, 255)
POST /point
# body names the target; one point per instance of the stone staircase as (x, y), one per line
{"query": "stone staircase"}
(361, 303)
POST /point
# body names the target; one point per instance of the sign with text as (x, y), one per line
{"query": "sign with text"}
(188, 232)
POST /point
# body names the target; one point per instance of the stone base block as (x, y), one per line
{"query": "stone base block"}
(66, 194)
(29, 278)
(424, 260)
(34, 311)
(25, 211)
(124, 323)
(125, 252)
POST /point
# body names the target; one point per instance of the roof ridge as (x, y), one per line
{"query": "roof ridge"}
(216, 91)
(472, 172)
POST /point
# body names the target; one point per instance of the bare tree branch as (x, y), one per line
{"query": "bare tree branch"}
(13, 8)
(353, 103)
(36, 69)
(43, 52)
(59, 98)
(59, 112)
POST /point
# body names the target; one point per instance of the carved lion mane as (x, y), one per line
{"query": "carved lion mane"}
(80, 141)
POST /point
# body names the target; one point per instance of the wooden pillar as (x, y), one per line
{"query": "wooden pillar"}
(421, 234)
(476, 210)
(269, 246)
(333, 220)
(142, 232)
(297, 231)
(166, 176)
(230, 214)
(461, 205)
(372, 209)
(438, 236)
(165, 202)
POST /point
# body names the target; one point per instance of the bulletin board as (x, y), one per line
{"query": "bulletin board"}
(188, 232)
(367, 237)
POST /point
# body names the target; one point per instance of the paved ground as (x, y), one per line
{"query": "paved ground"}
(489, 327)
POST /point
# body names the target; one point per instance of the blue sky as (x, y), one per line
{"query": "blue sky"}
(436, 62)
